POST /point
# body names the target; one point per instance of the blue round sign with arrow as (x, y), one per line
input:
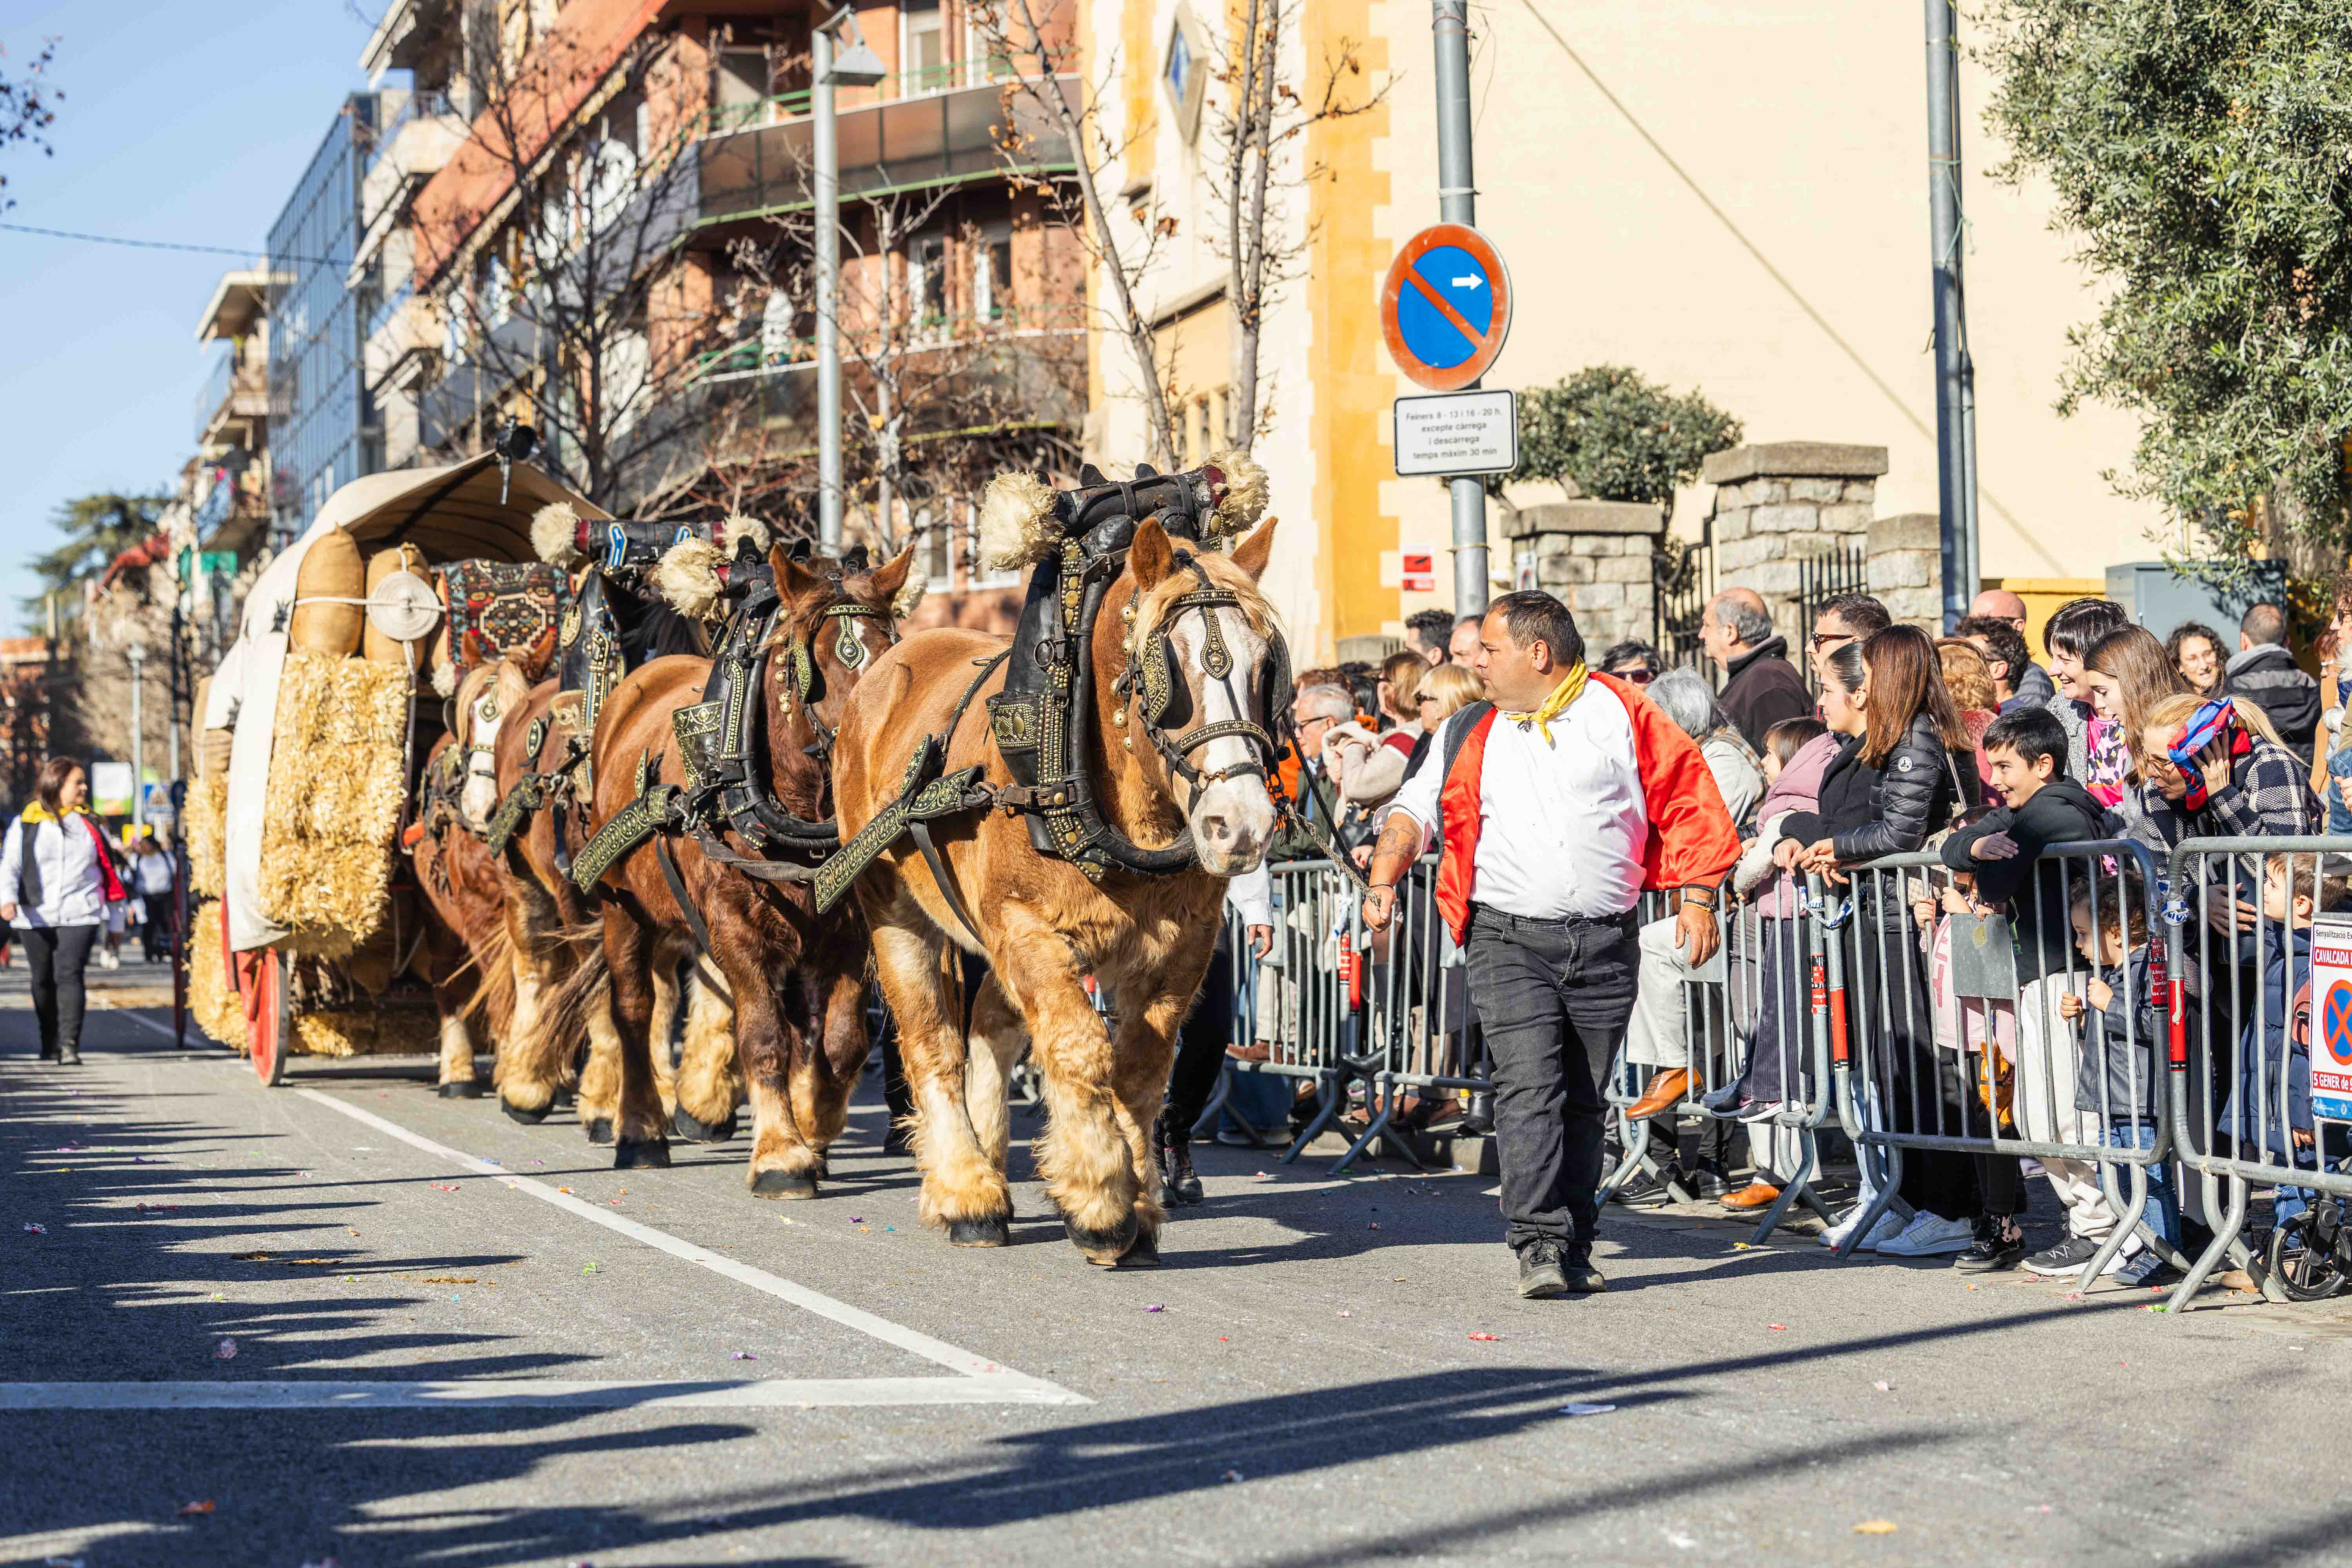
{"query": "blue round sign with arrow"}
(1445, 306)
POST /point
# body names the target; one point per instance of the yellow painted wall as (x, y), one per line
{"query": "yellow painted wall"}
(1350, 367)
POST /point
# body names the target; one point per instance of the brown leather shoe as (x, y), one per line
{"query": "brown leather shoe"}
(1257, 1051)
(1754, 1196)
(1665, 1092)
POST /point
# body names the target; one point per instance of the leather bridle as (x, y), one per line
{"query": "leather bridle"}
(1153, 675)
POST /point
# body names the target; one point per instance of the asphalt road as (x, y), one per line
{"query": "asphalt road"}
(439, 1359)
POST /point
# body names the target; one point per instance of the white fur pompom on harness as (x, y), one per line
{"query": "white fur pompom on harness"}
(1016, 522)
(909, 594)
(555, 534)
(444, 679)
(739, 526)
(687, 579)
(1244, 502)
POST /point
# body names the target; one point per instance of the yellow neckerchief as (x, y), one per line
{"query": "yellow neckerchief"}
(1571, 687)
(36, 813)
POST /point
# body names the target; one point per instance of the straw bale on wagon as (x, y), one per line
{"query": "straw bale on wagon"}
(334, 801)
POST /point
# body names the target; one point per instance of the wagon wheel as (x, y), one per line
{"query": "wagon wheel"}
(271, 1028)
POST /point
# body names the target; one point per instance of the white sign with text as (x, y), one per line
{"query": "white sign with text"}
(1457, 433)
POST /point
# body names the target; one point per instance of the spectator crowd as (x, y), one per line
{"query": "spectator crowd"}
(1871, 740)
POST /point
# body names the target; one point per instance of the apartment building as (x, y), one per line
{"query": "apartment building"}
(596, 220)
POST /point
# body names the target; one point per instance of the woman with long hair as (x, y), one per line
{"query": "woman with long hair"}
(56, 879)
(2128, 672)
(1901, 774)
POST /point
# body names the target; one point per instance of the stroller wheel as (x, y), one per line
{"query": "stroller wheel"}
(2305, 1264)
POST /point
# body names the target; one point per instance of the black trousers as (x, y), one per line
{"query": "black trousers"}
(156, 932)
(57, 956)
(1554, 998)
(1200, 1042)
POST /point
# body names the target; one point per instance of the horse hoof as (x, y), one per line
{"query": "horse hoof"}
(641, 1154)
(517, 1113)
(467, 1088)
(1144, 1254)
(694, 1130)
(989, 1232)
(824, 1168)
(1105, 1248)
(782, 1184)
(600, 1130)
(563, 1099)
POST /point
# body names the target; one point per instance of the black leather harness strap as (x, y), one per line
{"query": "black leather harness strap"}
(693, 920)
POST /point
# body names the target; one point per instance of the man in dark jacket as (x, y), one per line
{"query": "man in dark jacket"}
(1761, 687)
(2266, 674)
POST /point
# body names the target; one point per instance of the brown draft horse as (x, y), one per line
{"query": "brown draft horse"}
(559, 984)
(465, 925)
(1043, 926)
(792, 976)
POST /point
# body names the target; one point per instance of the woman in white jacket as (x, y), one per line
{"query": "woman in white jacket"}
(56, 881)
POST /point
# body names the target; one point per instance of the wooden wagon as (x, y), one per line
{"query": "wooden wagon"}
(316, 725)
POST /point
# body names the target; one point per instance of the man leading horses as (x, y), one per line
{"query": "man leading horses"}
(1558, 802)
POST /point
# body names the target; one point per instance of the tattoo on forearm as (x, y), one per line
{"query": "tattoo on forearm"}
(1400, 843)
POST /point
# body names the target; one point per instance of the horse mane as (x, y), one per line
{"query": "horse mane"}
(1151, 605)
(469, 691)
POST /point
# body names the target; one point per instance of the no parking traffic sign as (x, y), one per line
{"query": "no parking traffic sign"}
(2331, 1026)
(1445, 306)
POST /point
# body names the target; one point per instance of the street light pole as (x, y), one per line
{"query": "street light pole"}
(1956, 375)
(137, 654)
(854, 65)
(1458, 202)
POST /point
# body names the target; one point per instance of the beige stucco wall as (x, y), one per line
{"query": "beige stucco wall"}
(1805, 123)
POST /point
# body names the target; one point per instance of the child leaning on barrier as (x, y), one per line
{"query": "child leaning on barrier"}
(2123, 1009)
(2042, 804)
(2270, 1108)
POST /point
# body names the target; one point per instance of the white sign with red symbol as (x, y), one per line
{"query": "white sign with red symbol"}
(2331, 996)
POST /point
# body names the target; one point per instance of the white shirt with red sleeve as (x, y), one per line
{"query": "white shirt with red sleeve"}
(1564, 825)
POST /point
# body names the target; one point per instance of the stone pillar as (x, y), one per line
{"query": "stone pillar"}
(1779, 502)
(1906, 568)
(1595, 555)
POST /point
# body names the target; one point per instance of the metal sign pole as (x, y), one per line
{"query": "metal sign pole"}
(1458, 202)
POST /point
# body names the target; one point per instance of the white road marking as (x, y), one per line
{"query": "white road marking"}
(531, 1393)
(1008, 1385)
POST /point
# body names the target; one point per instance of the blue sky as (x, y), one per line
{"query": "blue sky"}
(181, 122)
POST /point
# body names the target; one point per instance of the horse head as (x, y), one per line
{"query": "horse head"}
(835, 620)
(488, 694)
(1206, 672)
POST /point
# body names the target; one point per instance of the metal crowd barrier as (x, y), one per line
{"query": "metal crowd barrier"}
(2242, 1132)
(1905, 1088)
(1707, 1020)
(1911, 1013)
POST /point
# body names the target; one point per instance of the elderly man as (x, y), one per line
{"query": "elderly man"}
(1463, 649)
(1314, 711)
(1426, 633)
(1557, 803)
(1761, 686)
(2029, 682)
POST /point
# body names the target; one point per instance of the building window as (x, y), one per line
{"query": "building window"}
(939, 551)
(1181, 72)
(992, 275)
(926, 286)
(923, 47)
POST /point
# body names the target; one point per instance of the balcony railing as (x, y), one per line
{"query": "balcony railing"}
(978, 71)
(422, 104)
(214, 391)
(896, 142)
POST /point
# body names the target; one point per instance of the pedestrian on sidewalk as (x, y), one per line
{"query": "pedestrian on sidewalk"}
(1557, 802)
(56, 879)
(158, 872)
